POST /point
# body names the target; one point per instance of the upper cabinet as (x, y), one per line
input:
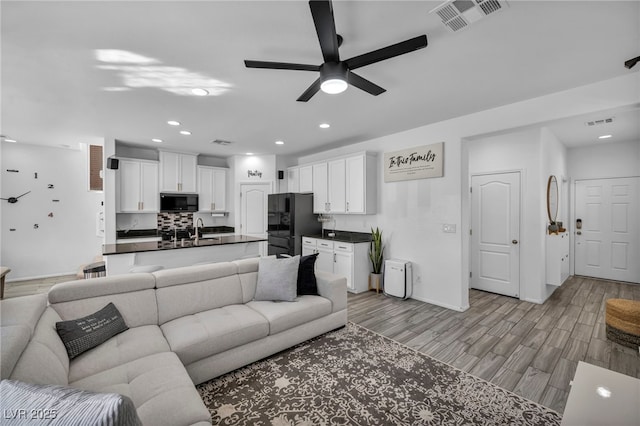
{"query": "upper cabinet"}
(177, 172)
(306, 179)
(293, 179)
(212, 189)
(137, 183)
(300, 179)
(345, 185)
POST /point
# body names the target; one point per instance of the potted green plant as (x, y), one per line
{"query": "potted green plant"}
(376, 253)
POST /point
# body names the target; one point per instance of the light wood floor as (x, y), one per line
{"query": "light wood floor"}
(532, 350)
(25, 288)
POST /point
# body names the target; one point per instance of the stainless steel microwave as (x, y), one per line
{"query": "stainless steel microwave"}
(178, 202)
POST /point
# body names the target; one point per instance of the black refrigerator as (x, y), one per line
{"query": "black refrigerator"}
(290, 216)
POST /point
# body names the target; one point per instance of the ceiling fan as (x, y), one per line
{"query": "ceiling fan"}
(335, 74)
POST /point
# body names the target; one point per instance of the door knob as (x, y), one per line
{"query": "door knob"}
(514, 241)
(579, 232)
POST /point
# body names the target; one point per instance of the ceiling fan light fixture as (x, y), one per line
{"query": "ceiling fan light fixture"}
(334, 86)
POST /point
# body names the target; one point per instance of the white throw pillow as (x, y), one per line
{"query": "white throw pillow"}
(277, 279)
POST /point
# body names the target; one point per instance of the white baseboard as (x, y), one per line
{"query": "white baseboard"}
(444, 305)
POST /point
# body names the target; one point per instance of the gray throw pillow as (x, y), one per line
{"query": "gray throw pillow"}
(277, 278)
(80, 335)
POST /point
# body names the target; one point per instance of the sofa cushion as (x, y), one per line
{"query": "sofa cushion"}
(159, 387)
(81, 334)
(277, 278)
(285, 315)
(248, 274)
(307, 283)
(44, 360)
(13, 340)
(96, 287)
(137, 307)
(24, 310)
(193, 289)
(130, 345)
(60, 405)
(198, 336)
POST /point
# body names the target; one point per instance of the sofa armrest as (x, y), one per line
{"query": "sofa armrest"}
(334, 288)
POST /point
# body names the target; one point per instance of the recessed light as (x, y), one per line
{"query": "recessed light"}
(156, 140)
(173, 123)
(279, 142)
(324, 125)
(249, 153)
(185, 132)
(604, 136)
(603, 392)
(11, 140)
(199, 92)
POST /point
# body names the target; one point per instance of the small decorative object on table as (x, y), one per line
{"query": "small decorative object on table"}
(376, 251)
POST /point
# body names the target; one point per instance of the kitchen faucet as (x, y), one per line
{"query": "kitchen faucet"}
(198, 223)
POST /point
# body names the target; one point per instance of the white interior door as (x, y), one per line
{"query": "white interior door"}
(253, 210)
(495, 233)
(607, 245)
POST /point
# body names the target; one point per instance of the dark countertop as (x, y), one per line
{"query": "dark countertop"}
(151, 233)
(343, 236)
(123, 248)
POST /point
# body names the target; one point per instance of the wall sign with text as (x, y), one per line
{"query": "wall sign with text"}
(414, 163)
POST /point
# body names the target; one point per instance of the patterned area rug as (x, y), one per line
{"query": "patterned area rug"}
(354, 376)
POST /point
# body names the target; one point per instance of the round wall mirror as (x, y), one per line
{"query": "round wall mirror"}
(552, 198)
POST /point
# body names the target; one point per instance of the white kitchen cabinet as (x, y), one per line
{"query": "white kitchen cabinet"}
(137, 183)
(293, 179)
(345, 185)
(212, 184)
(178, 172)
(305, 179)
(345, 259)
(557, 258)
(320, 188)
(337, 186)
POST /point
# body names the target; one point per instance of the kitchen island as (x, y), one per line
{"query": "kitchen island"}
(124, 258)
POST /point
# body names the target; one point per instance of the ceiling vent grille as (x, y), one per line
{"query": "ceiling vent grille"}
(599, 122)
(459, 14)
(221, 142)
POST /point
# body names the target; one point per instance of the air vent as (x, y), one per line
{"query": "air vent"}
(221, 142)
(599, 122)
(459, 14)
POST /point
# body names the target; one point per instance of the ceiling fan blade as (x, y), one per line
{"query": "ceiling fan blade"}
(364, 84)
(281, 66)
(322, 12)
(387, 52)
(312, 90)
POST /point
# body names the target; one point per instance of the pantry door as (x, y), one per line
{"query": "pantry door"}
(607, 229)
(253, 211)
(495, 233)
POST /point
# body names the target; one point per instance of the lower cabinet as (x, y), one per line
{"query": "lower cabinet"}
(349, 260)
(557, 258)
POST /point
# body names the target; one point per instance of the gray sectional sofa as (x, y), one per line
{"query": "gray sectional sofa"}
(186, 326)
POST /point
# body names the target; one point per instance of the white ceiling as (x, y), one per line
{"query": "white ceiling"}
(53, 85)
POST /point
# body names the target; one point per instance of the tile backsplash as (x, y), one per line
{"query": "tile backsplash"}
(170, 221)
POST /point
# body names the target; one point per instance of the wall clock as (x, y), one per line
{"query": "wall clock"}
(13, 200)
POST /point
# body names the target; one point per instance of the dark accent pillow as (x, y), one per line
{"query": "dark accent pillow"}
(307, 283)
(80, 335)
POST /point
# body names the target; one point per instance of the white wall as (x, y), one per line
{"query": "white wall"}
(63, 242)
(604, 161)
(411, 213)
